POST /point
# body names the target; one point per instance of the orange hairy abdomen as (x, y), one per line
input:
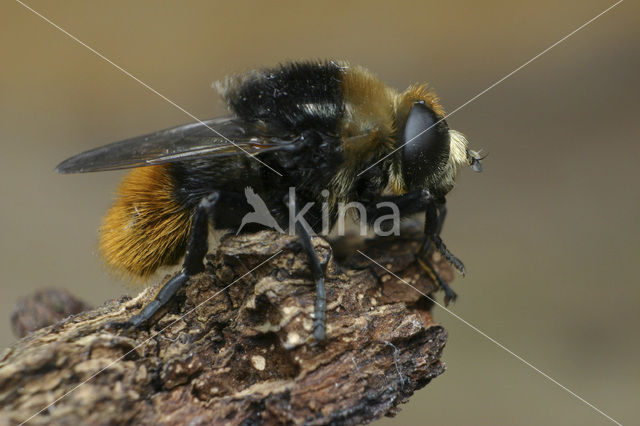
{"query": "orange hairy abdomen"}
(146, 228)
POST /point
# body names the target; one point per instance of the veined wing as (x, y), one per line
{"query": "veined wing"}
(210, 138)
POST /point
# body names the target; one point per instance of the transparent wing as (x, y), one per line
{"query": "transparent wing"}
(211, 138)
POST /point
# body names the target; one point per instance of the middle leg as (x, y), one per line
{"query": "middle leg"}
(317, 273)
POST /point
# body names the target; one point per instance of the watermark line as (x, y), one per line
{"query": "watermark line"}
(261, 215)
(150, 338)
(500, 345)
(496, 83)
(145, 85)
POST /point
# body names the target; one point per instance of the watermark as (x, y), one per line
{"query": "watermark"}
(383, 217)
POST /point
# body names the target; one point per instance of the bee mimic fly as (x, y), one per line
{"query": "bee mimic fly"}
(319, 124)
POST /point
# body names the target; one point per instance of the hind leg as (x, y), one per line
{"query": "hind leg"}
(192, 265)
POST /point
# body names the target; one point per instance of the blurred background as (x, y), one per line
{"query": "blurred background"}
(549, 232)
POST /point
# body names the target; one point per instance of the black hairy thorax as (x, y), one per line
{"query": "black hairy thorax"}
(301, 102)
(290, 99)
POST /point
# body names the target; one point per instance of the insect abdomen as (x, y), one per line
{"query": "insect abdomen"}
(145, 228)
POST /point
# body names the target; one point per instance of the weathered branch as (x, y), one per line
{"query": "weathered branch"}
(245, 354)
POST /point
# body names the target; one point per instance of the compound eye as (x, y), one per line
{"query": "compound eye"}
(426, 145)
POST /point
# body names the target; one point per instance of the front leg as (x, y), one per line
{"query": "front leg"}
(435, 213)
(433, 223)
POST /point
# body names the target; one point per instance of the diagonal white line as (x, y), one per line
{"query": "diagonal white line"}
(497, 82)
(76, 39)
(151, 337)
(500, 345)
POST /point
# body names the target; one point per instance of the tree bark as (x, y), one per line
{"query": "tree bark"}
(244, 354)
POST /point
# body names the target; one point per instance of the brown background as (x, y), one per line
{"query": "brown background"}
(549, 232)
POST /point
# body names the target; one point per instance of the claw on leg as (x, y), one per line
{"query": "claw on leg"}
(449, 294)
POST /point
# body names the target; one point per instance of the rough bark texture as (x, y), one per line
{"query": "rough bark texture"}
(245, 354)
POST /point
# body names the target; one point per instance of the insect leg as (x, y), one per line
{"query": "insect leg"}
(433, 222)
(442, 215)
(317, 273)
(432, 226)
(193, 260)
(435, 213)
(449, 294)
